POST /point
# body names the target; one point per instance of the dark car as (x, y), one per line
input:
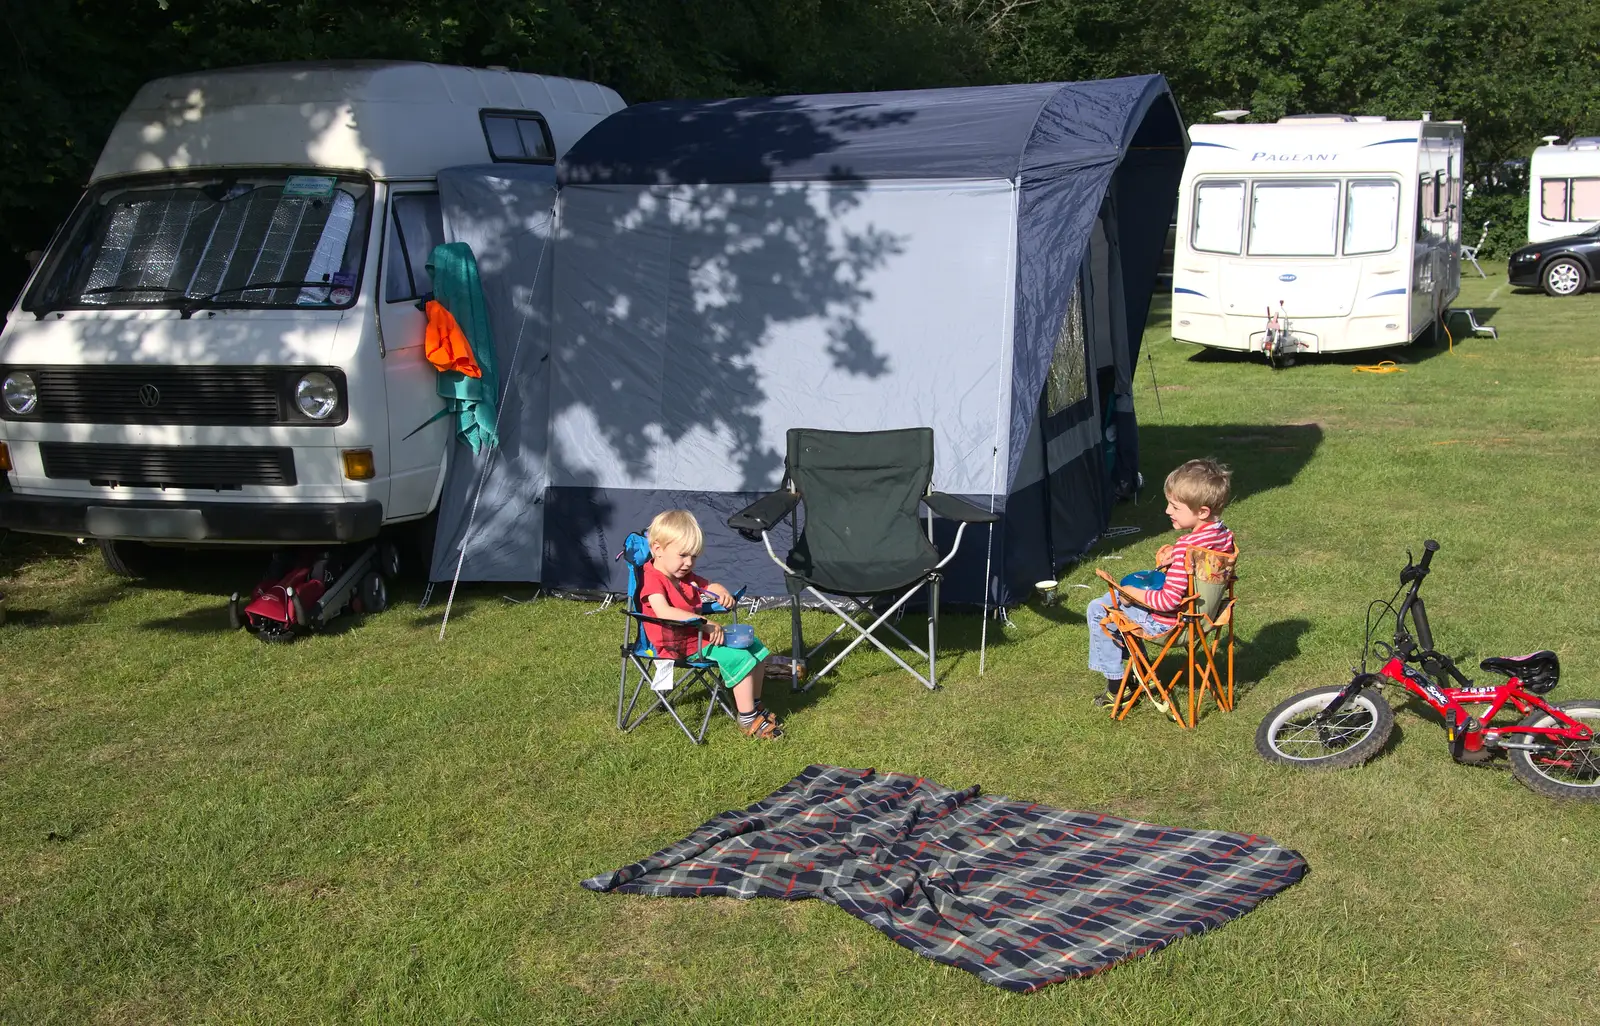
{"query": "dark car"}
(1562, 267)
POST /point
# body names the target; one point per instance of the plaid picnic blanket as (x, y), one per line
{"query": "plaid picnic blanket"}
(1022, 895)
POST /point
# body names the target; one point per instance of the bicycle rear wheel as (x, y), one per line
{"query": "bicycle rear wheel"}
(1351, 737)
(1572, 770)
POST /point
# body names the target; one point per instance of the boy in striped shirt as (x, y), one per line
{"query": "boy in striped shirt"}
(1196, 494)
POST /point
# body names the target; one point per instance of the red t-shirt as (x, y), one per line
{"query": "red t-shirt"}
(672, 642)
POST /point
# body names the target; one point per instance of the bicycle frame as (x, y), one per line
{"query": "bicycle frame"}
(1434, 678)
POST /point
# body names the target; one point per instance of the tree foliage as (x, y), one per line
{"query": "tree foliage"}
(1511, 71)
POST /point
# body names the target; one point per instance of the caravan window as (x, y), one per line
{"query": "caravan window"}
(1438, 193)
(1294, 218)
(1068, 381)
(1218, 216)
(415, 227)
(165, 240)
(518, 137)
(1371, 216)
(1585, 199)
(1553, 199)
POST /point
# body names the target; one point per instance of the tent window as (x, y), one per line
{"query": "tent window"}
(1068, 382)
(1218, 216)
(520, 137)
(415, 227)
(1371, 216)
(1586, 199)
(1294, 218)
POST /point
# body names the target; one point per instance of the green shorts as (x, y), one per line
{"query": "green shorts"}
(734, 664)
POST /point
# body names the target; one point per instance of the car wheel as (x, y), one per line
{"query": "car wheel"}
(1564, 276)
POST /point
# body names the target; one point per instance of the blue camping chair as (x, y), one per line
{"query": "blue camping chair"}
(678, 677)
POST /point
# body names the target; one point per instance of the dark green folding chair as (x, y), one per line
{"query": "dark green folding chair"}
(861, 537)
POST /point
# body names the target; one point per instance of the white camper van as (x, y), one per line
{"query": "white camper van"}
(1347, 230)
(1564, 188)
(224, 342)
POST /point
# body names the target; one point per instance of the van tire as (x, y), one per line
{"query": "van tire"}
(130, 560)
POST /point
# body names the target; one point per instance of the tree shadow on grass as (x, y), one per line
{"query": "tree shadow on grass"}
(1263, 457)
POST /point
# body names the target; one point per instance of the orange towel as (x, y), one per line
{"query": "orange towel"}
(446, 345)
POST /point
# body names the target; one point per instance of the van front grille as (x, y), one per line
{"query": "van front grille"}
(232, 396)
(214, 467)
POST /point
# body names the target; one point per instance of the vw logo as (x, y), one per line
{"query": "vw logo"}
(149, 396)
(1286, 277)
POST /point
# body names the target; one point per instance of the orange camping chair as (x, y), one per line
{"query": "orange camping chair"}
(1201, 663)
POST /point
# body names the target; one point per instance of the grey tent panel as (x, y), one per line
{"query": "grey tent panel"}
(728, 269)
(505, 213)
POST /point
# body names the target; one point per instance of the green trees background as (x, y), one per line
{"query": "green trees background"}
(1513, 70)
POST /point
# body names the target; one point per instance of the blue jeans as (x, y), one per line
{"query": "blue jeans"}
(1106, 653)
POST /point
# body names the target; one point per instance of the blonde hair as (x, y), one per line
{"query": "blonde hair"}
(1200, 483)
(675, 525)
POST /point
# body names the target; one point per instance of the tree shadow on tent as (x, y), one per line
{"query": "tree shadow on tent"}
(663, 361)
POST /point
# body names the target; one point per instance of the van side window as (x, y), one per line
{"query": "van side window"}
(415, 227)
(517, 137)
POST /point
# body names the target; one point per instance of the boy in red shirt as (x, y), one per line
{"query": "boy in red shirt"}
(1196, 494)
(671, 590)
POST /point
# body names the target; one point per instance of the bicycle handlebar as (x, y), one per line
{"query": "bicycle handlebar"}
(1429, 547)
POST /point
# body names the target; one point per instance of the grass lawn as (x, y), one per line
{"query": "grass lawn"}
(371, 826)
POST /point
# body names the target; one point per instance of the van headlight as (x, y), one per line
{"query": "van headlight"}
(317, 396)
(20, 393)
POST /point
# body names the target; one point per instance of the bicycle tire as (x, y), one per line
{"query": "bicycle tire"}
(1529, 774)
(1376, 729)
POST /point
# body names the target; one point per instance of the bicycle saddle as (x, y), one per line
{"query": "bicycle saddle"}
(1538, 671)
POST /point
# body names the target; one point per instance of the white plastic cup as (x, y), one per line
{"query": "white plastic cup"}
(1047, 591)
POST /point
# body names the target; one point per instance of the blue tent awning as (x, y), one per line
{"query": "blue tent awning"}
(1007, 131)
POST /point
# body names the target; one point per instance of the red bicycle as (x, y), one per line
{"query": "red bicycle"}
(1553, 749)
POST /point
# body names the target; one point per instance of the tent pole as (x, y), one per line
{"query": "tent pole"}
(488, 459)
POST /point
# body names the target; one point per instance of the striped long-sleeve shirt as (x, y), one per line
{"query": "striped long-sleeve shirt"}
(1213, 535)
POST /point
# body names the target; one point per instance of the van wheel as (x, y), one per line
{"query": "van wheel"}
(1564, 277)
(130, 559)
(374, 593)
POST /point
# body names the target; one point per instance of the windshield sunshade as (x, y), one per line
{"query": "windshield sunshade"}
(170, 242)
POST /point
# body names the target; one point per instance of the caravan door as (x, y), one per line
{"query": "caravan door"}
(412, 227)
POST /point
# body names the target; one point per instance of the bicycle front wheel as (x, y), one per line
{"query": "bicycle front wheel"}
(1288, 737)
(1570, 769)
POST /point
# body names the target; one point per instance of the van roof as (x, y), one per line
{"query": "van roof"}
(394, 119)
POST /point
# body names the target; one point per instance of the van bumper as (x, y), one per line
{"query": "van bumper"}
(239, 523)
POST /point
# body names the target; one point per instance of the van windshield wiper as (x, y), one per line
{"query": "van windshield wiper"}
(196, 302)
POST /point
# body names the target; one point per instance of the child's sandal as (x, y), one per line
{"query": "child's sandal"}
(763, 729)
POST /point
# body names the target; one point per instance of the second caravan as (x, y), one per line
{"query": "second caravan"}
(1337, 233)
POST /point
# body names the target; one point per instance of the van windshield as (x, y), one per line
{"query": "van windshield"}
(223, 238)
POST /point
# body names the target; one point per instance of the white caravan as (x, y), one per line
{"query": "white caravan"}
(1563, 188)
(224, 344)
(1349, 229)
